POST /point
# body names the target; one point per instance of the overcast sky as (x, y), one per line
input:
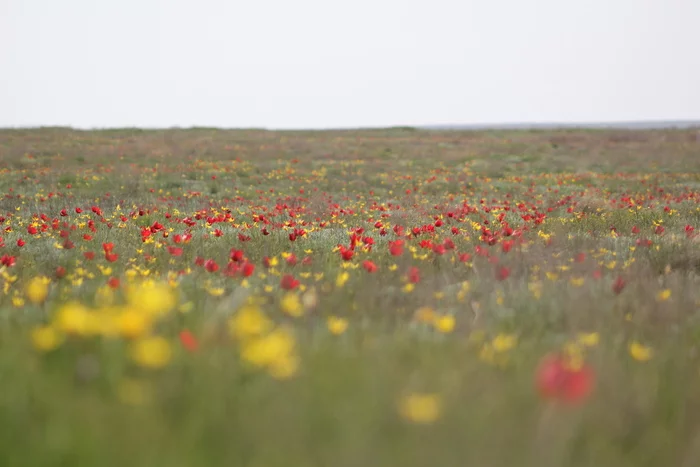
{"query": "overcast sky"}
(324, 63)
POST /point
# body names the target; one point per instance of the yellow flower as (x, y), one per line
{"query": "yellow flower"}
(285, 367)
(132, 323)
(248, 322)
(663, 295)
(590, 339)
(640, 352)
(37, 290)
(45, 338)
(577, 281)
(342, 279)
(267, 350)
(420, 408)
(151, 297)
(504, 342)
(291, 305)
(445, 323)
(424, 314)
(151, 352)
(408, 288)
(336, 325)
(17, 301)
(72, 318)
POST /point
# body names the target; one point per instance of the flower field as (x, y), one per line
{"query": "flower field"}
(350, 298)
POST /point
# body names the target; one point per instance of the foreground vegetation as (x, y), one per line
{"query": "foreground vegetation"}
(376, 298)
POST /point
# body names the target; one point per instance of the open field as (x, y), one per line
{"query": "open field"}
(350, 298)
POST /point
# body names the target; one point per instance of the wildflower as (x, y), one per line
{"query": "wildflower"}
(288, 282)
(556, 379)
(663, 295)
(445, 324)
(291, 305)
(268, 349)
(640, 352)
(45, 338)
(619, 285)
(131, 323)
(188, 341)
(37, 290)
(249, 322)
(504, 342)
(502, 273)
(420, 408)
(151, 352)
(336, 325)
(341, 279)
(590, 339)
(151, 297)
(72, 318)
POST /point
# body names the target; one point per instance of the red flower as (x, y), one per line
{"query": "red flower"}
(288, 282)
(619, 285)
(346, 254)
(60, 272)
(8, 261)
(211, 266)
(113, 282)
(502, 273)
(557, 380)
(188, 341)
(89, 255)
(31, 230)
(580, 258)
(369, 266)
(111, 257)
(413, 275)
(175, 251)
(396, 248)
(108, 247)
(78, 210)
(64, 213)
(248, 269)
(659, 229)
(21, 243)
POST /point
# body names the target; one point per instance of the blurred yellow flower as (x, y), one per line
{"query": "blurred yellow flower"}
(45, 338)
(444, 323)
(663, 295)
(132, 323)
(337, 325)
(640, 352)
(37, 290)
(151, 297)
(267, 350)
(420, 408)
(342, 279)
(151, 352)
(248, 322)
(589, 339)
(72, 318)
(504, 342)
(291, 305)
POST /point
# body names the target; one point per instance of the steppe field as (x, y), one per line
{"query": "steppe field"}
(369, 298)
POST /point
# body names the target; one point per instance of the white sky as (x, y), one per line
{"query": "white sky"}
(320, 64)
